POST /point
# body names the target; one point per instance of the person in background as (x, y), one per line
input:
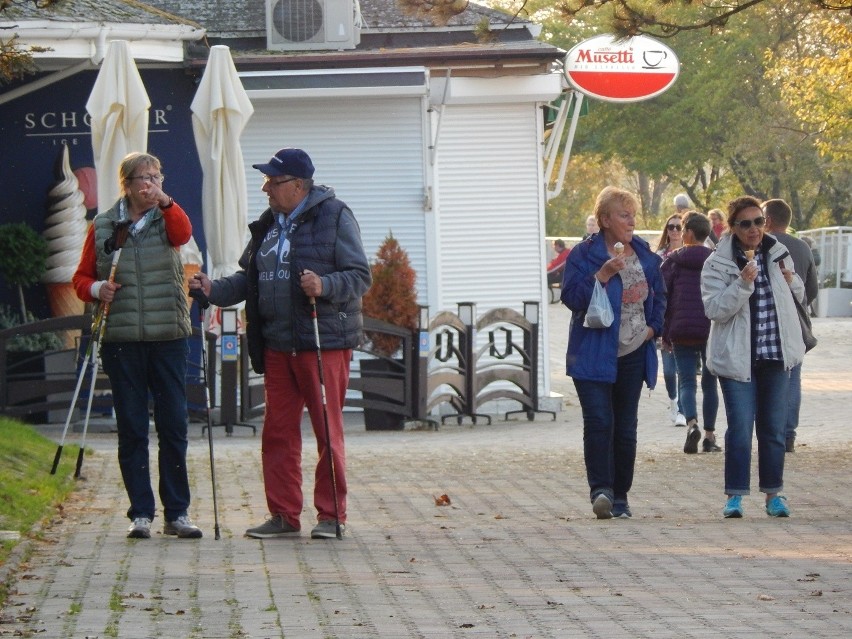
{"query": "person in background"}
(609, 365)
(144, 348)
(591, 226)
(778, 216)
(681, 203)
(686, 328)
(557, 265)
(305, 247)
(671, 239)
(755, 339)
(717, 220)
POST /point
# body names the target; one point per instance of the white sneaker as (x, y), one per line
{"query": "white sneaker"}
(183, 528)
(680, 420)
(140, 528)
(673, 413)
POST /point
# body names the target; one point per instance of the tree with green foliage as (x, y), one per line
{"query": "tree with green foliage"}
(16, 61)
(814, 82)
(663, 18)
(726, 126)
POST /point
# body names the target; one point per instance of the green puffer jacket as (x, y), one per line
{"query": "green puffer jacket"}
(151, 304)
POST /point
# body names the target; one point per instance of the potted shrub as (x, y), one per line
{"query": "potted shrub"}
(393, 299)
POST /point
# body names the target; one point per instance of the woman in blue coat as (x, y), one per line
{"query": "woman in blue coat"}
(609, 365)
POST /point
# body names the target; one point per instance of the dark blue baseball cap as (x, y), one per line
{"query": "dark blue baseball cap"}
(288, 161)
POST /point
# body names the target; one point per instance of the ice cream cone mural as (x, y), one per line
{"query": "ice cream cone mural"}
(191, 257)
(65, 231)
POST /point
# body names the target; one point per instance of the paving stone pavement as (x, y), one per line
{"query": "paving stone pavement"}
(517, 553)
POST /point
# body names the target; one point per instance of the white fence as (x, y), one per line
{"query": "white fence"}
(833, 250)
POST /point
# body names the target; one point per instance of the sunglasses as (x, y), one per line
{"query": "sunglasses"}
(674, 227)
(746, 224)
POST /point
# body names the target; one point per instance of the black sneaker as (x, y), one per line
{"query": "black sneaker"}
(710, 446)
(327, 529)
(602, 506)
(273, 527)
(692, 438)
(790, 445)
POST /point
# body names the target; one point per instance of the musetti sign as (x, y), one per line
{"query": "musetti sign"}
(628, 70)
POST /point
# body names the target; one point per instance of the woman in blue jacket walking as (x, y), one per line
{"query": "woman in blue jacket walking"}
(609, 365)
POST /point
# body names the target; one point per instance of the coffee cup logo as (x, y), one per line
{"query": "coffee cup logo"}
(653, 59)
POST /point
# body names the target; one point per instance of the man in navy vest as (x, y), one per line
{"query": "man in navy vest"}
(305, 250)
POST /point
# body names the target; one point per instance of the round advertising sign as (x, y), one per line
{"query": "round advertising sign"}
(628, 70)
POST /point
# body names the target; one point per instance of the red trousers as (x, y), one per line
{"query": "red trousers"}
(291, 383)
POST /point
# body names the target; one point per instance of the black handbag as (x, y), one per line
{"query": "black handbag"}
(807, 328)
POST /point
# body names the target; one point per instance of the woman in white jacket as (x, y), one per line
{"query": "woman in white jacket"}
(747, 287)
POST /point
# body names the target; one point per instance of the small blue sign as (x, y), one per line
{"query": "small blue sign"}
(229, 348)
(424, 343)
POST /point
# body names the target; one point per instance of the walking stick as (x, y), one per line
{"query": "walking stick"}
(85, 365)
(325, 420)
(113, 244)
(203, 303)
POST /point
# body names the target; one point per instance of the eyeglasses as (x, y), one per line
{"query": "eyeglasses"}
(268, 180)
(746, 224)
(674, 227)
(158, 178)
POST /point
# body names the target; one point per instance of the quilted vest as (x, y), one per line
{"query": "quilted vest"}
(151, 304)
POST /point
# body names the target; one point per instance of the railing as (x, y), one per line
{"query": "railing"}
(452, 360)
(832, 249)
(439, 363)
(34, 383)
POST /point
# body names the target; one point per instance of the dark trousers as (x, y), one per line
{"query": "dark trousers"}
(609, 426)
(134, 369)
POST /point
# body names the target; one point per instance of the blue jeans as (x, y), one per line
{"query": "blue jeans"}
(794, 401)
(687, 358)
(670, 376)
(761, 405)
(609, 426)
(134, 368)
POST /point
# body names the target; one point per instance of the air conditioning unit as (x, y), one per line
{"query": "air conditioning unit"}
(294, 25)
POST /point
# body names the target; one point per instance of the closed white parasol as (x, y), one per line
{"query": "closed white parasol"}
(118, 106)
(220, 111)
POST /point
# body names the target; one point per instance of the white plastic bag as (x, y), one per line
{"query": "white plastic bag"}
(599, 314)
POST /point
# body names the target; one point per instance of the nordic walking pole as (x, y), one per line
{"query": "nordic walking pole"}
(198, 295)
(113, 244)
(85, 365)
(325, 420)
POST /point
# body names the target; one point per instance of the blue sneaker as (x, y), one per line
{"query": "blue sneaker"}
(777, 507)
(621, 509)
(734, 507)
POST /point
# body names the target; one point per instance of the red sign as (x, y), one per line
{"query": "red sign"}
(629, 70)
